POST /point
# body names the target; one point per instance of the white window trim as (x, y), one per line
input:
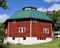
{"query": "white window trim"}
(6, 31)
(35, 20)
(45, 32)
(14, 21)
(22, 31)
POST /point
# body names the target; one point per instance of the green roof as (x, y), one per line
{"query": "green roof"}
(30, 14)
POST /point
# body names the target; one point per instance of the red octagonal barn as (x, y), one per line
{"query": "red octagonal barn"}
(28, 26)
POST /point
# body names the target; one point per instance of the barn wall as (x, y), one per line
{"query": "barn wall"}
(37, 29)
(14, 29)
(28, 41)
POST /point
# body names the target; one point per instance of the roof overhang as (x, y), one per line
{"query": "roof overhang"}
(28, 18)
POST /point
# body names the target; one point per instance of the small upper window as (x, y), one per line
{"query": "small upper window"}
(34, 20)
(6, 31)
(22, 29)
(45, 30)
(14, 21)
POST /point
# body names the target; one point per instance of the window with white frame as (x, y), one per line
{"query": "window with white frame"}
(45, 30)
(34, 20)
(22, 29)
(6, 31)
(14, 21)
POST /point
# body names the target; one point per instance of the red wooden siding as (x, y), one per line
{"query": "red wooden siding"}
(37, 29)
(14, 29)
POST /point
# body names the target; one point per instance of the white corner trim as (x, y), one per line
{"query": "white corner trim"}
(30, 27)
(6, 31)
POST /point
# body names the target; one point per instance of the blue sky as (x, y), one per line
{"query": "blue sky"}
(41, 5)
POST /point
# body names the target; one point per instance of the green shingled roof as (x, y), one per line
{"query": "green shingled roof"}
(30, 14)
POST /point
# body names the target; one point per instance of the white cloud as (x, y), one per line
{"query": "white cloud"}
(53, 7)
(3, 17)
(48, 1)
(42, 9)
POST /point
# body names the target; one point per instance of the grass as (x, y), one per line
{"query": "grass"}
(53, 44)
(3, 45)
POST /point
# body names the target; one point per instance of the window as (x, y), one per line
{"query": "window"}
(24, 38)
(6, 31)
(14, 21)
(22, 29)
(45, 30)
(13, 38)
(43, 38)
(29, 9)
(34, 20)
(40, 38)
